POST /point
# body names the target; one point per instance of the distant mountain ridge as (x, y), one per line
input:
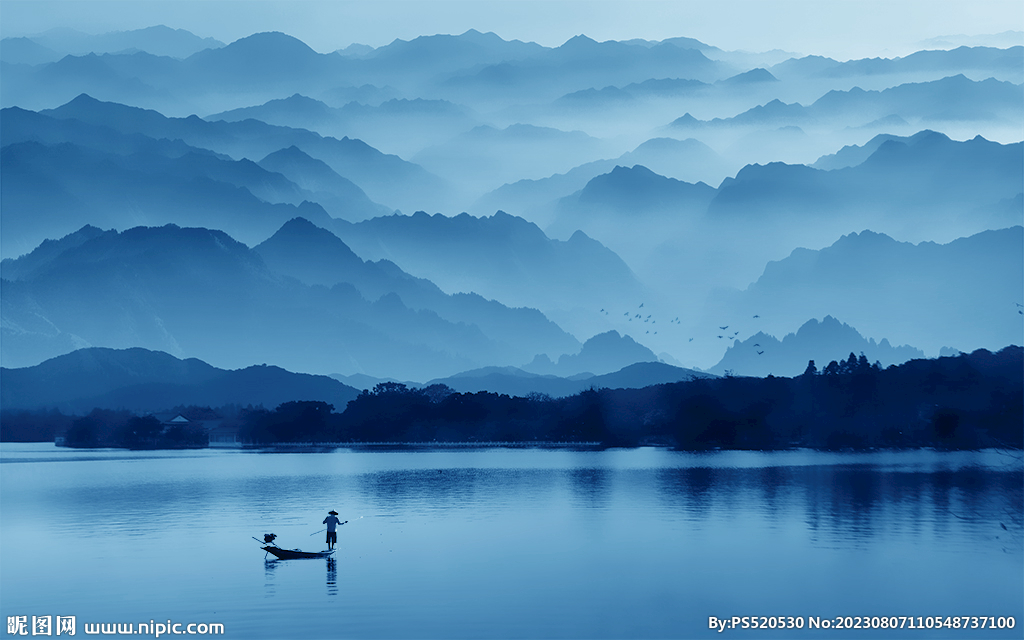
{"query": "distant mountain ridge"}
(667, 157)
(198, 292)
(518, 382)
(315, 256)
(602, 354)
(929, 295)
(822, 341)
(925, 177)
(385, 178)
(505, 258)
(141, 380)
(399, 125)
(157, 40)
(952, 98)
(631, 196)
(56, 189)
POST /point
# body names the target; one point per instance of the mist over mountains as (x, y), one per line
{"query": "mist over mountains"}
(465, 203)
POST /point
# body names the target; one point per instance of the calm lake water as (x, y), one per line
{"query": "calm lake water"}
(502, 543)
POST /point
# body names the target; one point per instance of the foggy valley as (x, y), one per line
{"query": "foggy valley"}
(453, 204)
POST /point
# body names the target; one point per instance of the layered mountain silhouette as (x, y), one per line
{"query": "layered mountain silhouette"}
(197, 292)
(604, 353)
(923, 65)
(853, 155)
(687, 160)
(26, 51)
(272, 231)
(505, 258)
(157, 40)
(486, 157)
(949, 99)
(398, 125)
(386, 179)
(315, 256)
(141, 380)
(583, 63)
(515, 381)
(960, 60)
(929, 295)
(821, 341)
(54, 189)
(339, 196)
(922, 180)
(629, 196)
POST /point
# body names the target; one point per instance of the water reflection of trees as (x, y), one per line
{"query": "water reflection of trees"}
(590, 487)
(840, 504)
(455, 488)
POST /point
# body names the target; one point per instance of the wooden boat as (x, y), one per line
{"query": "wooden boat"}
(294, 554)
(289, 554)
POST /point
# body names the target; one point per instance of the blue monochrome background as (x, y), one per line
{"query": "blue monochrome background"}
(215, 215)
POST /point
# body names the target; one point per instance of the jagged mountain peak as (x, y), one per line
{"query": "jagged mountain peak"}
(299, 236)
(818, 340)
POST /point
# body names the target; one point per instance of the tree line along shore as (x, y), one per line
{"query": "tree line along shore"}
(968, 401)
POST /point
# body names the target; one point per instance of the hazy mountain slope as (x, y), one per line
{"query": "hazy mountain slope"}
(581, 63)
(385, 178)
(635, 198)
(269, 62)
(504, 258)
(517, 382)
(52, 190)
(199, 293)
(1000, 63)
(688, 160)
(824, 341)
(950, 99)
(961, 294)
(485, 157)
(141, 380)
(1003, 62)
(44, 85)
(158, 40)
(925, 186)
(316, 256)
(853, 155)
(398, 125)
(601, 354)
(427, 56)
(339, 196)
(21, 125)
(26, 51)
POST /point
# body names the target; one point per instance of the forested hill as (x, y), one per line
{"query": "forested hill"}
(968, 401)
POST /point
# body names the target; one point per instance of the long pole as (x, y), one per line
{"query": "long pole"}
(322, 530)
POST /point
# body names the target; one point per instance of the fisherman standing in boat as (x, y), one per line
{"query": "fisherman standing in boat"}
(332, 523)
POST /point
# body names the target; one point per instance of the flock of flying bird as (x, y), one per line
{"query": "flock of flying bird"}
(634, 315)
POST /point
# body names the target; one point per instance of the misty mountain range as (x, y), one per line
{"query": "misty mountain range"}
(762, 354)
(141, 380)
(481, 211)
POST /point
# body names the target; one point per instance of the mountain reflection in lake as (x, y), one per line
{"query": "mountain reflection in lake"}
(511, 543)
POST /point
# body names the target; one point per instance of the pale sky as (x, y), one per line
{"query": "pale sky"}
(841, 29)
